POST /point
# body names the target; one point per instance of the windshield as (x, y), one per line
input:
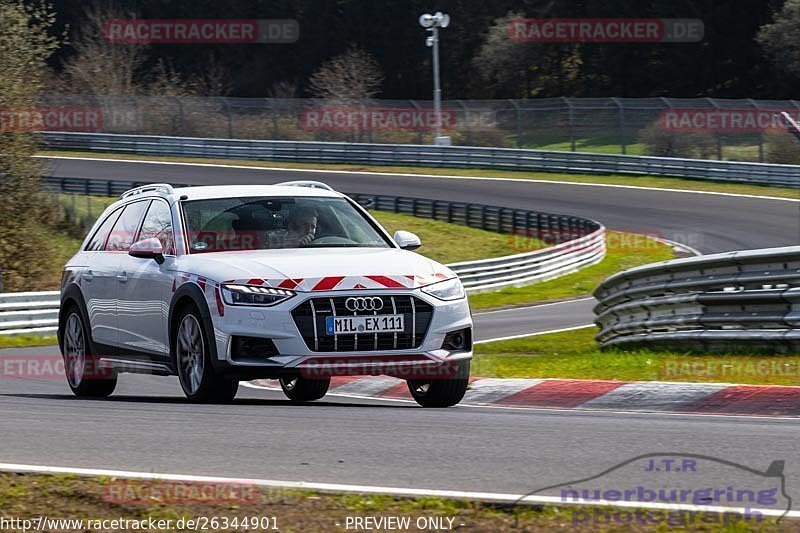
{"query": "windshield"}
(236, 224)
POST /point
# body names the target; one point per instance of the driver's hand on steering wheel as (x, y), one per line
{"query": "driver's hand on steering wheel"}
(306, 240)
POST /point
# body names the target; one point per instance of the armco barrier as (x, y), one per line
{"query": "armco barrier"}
(574, 243)
(577, 242)
(29, 312)
(729, 301)
(428, 156)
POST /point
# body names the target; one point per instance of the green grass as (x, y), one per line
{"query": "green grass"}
(23, 341)
(86, 207)
(592, 145)
(575, 355)
(625, 251)
(448, 243)
(612, 179)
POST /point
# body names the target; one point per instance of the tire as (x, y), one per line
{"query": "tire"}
(192, 354)
(84, 376)
(441, 392)
(300, 390)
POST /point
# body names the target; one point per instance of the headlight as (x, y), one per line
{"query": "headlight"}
(446, 290)
(251, 295)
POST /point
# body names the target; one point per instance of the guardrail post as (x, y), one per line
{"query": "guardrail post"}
(182, 127)
(621, 122)
(570, 123)
(716, 134)
(517, 142)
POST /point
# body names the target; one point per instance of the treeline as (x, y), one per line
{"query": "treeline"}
(478, 60)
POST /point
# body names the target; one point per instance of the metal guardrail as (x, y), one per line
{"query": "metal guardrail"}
(731, 301)
(29, 312)
(429, 156)
(571, 242)
(576, 243)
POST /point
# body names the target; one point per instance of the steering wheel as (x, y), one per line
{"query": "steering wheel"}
(332, 239)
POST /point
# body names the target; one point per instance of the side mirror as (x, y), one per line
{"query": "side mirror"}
(148, 249)
(407, 240)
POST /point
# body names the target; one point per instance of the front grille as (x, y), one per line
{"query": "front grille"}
(310, 320)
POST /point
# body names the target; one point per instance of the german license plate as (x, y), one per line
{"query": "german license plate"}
(350, 325)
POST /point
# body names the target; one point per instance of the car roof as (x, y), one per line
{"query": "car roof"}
(234, 191)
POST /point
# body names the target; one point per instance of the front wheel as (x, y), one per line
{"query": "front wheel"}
(441, 392)
(84, 375)
(193, 360)
(299, 389)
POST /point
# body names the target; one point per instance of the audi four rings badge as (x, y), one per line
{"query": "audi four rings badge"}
(364, 304)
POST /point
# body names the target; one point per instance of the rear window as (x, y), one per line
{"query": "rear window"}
(98, 240)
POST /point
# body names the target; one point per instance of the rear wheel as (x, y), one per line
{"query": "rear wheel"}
(441, 392)
(299, 389)
(193, 360)
(84, 376)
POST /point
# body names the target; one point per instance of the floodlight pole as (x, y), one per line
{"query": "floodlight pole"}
(432, 23)
(437, 89)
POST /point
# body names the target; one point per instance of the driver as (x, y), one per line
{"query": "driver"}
(301, 229)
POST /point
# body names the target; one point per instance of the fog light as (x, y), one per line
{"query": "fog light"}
(458, 341)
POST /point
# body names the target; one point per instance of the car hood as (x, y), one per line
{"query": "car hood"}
(319, 270)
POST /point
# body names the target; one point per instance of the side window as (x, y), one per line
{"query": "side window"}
(125, 229)
(158, 224)
(99, 238)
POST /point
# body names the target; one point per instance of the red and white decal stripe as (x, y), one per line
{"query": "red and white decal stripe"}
(332, 283)
(210, 290)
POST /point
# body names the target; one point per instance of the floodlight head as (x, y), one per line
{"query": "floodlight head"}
(429, 41)
(442, 20)
(426, 20)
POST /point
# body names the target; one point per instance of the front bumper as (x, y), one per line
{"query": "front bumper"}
(295, 357)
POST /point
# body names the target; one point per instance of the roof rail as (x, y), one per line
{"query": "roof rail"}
(165, 188)
(303, 183)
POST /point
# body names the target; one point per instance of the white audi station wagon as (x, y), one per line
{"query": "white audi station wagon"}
(294, 282)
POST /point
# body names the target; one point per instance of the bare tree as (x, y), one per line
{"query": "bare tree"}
(98, 65)
(166, 81)
(351, 76)
(283, 89)
(214, 80)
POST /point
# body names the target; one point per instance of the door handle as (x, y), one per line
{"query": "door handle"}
(122, 278)
(88, 276)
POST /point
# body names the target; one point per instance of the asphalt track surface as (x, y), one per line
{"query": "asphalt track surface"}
(147, 426)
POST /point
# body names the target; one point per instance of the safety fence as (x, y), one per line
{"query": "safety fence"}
(723, 129)
(428, 156)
